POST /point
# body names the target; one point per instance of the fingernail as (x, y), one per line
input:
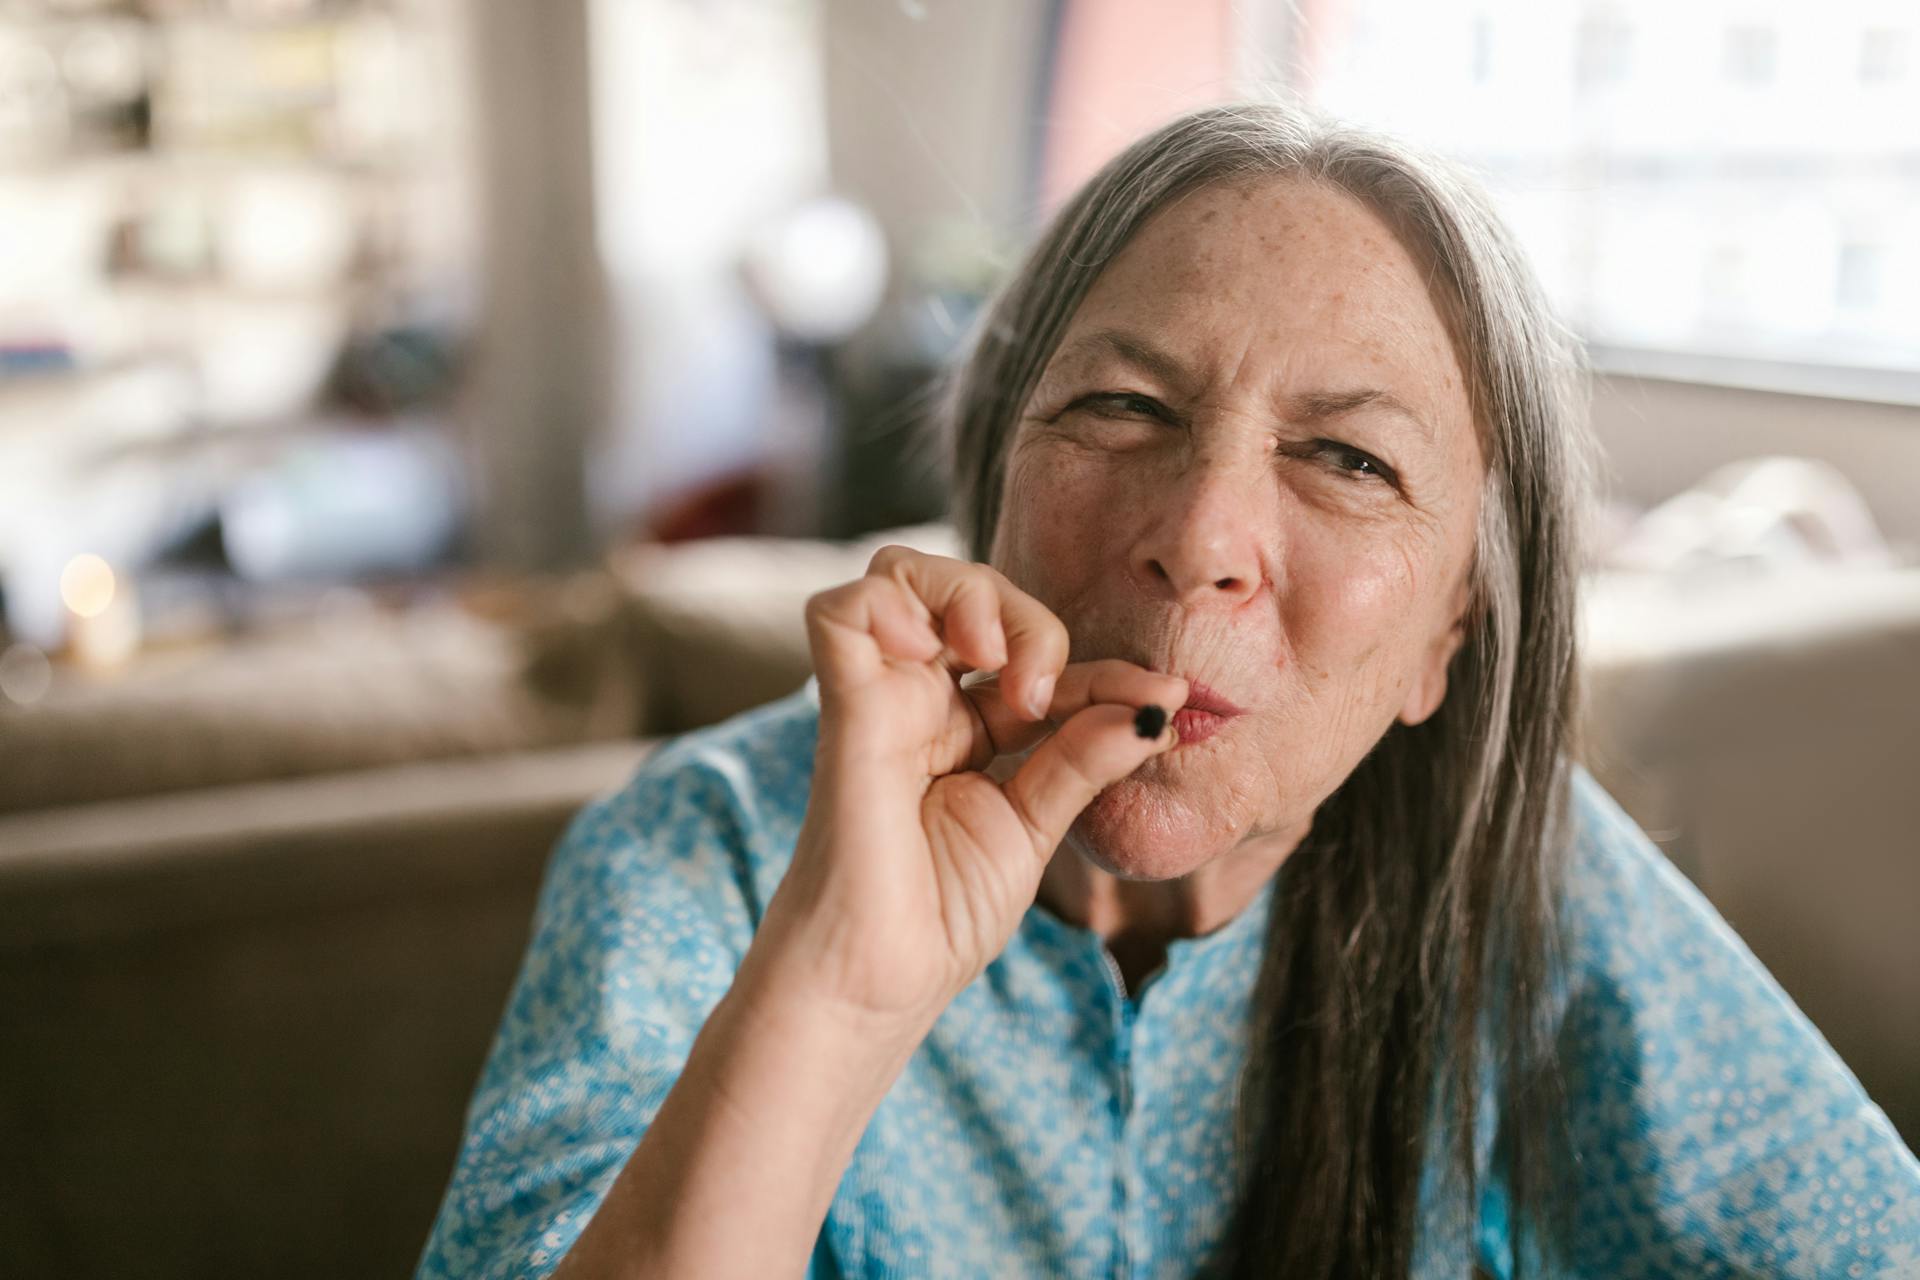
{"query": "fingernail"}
(1042, 697)
(1150, 721)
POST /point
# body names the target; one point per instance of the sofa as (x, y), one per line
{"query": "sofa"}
(259, 914)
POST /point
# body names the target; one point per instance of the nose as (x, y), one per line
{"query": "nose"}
(1202, 545)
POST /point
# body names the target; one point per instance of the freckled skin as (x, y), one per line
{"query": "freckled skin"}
(1216, 532)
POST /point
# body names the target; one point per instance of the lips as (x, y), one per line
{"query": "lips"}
(1203, 697)
(1204, 714)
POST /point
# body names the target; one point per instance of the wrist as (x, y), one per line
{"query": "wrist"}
(810, 959)
(779, 993)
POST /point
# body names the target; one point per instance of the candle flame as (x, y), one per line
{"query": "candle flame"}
(87, 585)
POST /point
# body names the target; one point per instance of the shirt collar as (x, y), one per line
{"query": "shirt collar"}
(1216, 969)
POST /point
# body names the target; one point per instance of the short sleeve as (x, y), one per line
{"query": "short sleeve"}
(648, 905)
(1715, 1131)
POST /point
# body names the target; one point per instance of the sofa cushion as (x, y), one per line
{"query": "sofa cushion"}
(720, 624)
(1762, 729)
(549, 664)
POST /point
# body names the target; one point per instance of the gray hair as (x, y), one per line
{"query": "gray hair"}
(1425, 900)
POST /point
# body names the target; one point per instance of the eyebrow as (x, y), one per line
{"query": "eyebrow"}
(1317, 406)
(1307, 406)
(1139, 352)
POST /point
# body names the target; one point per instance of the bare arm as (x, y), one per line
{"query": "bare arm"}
(735, 1174)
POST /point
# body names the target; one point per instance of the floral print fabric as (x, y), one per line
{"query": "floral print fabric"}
(1052, 1125)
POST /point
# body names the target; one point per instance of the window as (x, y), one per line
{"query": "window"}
(1858, 276)
(1883, 55)
(1749, 55)
(1603, 51)
(1482, 49)
(1697, 182)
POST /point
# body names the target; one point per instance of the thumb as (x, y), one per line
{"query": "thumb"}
(1095, 748)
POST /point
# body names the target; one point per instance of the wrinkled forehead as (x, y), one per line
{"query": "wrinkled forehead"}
(1297, 275)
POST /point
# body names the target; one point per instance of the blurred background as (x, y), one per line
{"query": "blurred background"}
(412, 410)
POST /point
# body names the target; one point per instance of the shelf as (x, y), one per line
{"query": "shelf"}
(325, 15)
(212, 165)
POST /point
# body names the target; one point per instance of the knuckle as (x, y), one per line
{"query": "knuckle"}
(1053, 633)
(888, 557)
(1040, 622)
(1044, 635)
(835, 603)
(976, 583)
(1002, 585)
(821, 602)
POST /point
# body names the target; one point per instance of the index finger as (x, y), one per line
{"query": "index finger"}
(1036, 640)
(1081, 684)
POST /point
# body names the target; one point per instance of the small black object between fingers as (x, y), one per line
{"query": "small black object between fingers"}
(1150, 721)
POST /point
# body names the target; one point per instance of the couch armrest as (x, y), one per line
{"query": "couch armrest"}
(243, 1023)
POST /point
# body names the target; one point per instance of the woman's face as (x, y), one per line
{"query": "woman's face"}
(1251, 462)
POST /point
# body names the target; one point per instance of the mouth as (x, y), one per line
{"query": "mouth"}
(1204, 714)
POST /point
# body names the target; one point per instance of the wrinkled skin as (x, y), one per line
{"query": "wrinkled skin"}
(1185, 491)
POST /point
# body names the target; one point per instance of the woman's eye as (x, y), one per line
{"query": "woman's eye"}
(1126, 404)
(1354, 462)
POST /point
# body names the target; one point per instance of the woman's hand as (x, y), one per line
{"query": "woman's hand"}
(914, 866)
(912, 869)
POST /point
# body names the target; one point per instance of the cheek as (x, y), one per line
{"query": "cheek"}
(1352, 598)
(1363, 628)
(1052, 502)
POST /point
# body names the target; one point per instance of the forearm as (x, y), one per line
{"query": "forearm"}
(735, 1174)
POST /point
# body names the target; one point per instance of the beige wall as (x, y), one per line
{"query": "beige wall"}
(928, 109)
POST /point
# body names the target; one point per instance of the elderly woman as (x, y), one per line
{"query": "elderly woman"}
(972, 960)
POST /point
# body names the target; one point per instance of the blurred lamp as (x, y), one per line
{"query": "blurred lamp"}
(87, 586)
(102, 617)
(819, 271)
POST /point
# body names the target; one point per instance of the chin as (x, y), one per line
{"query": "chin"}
(1138, 829)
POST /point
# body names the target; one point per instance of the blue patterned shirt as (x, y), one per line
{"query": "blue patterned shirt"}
(1051, 1125)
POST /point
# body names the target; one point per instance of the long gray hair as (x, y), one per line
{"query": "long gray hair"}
(1417, 924)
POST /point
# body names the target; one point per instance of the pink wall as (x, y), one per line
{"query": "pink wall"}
(1124, 67)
